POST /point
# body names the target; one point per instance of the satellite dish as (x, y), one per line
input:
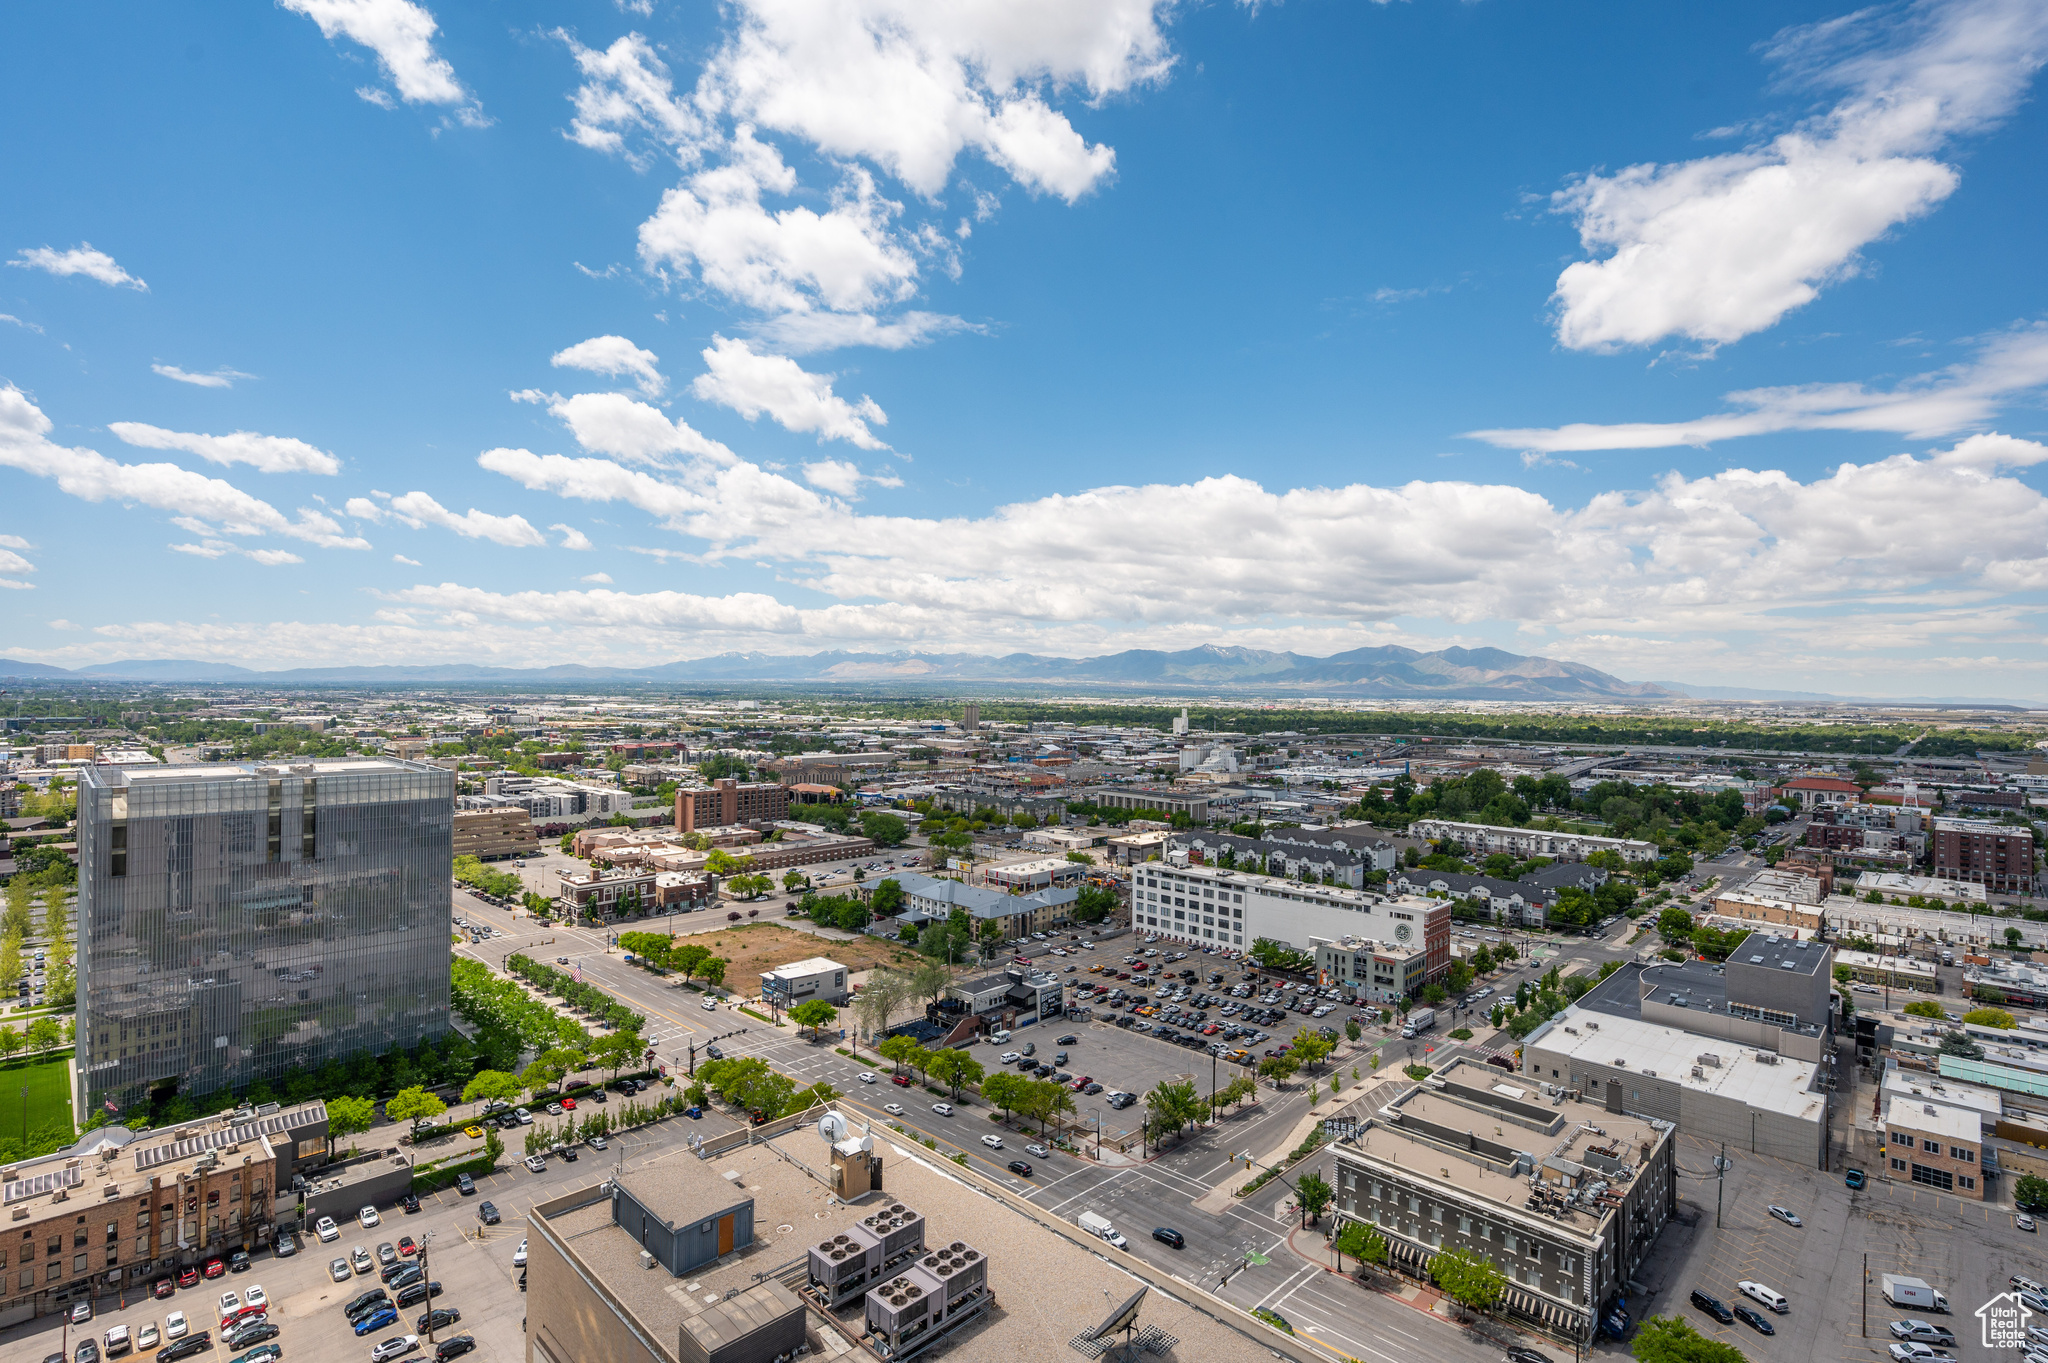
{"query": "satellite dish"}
(832, 1127)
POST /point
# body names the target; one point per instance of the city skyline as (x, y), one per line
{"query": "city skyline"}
(359, 330)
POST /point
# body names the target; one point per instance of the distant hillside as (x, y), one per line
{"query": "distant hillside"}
(1390, 672)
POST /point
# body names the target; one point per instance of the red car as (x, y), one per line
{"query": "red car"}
(163, 1287)
(244, 1315)
(216, 1267)
(188, 1277)
(901, 1080)
(568, 1104)
(406, 1247)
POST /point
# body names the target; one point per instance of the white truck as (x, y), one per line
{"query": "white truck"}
(1418, 1022)
(1101, 1228)
(1917, 1293)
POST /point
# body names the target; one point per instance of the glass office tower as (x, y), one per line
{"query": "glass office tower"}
(240, 921)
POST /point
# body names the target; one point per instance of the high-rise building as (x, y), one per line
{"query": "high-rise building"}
(970, 717)
(242, 921)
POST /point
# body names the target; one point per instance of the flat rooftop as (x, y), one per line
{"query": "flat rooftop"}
(247, 771)
(1912, 1086)
(1911, 1114)
(1775, 951)
(1047, 1287)
(1666, 1053)
(1508, 1113)
(814, 965)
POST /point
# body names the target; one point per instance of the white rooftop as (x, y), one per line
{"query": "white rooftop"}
(1911, 1086)
(1667, 1053)
(1912, 1114)
(815, 965)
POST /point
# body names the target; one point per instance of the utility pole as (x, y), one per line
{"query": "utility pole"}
(426, 1238)
(1720, 1182)
(1866, 1294)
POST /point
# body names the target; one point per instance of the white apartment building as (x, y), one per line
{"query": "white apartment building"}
(1210, 906)
(1530, 842)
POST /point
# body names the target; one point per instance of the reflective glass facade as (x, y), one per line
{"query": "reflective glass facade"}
(240, 921)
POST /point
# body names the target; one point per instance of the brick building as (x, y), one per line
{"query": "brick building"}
(1937, 1146)
(1998, 856)
(730, 801)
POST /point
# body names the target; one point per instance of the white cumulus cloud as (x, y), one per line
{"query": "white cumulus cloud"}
(401, 34)
(614, 424)
(195, 499)
(752, 383)
(420, 510)
(1928, 405)
(572, 538)
(1717, 248)
(269, 453)
(79, 260)
(616, 357)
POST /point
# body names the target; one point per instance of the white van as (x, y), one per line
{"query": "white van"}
(999, 1036)
(1768, 1296)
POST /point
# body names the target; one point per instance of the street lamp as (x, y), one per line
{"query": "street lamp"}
(426, 1277)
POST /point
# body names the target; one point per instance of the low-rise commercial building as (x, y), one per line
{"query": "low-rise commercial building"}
(1486, 839)
(817, 977)
(1565, 1198)
(1890, 972)
(488, 834)
(1015, 996)
(1166, 801)
(1935, 1145)
(1375, 972)
(119, 1208)
(1039, 873)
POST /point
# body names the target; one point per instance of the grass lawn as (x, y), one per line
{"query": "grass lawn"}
(49, 1093)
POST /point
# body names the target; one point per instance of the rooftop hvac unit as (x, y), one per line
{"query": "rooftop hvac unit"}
(1709, 1058)
(1766, 1057)
(1698, 1073)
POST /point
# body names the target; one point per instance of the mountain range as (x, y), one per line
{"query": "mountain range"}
(1389, 672)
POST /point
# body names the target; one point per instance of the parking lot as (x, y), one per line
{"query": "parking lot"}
(1966, 1250)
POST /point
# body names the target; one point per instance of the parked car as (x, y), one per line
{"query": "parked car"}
(453, 1348)
(189, 1347)
(1713, 1306)
(1785, 1215)
(535, 1163)
(487, 1214)
(1754, 1321)
(376, 1320)
(406, 1246)
(368, 1301)
(1853, 1178)
(175, 1326)
(368, 1216)
(247, 1335)
(359, 1259)
(416, 1293)
(262, 1353)
(327, 1230)
(394, 1347)
(440, 1318)
(163, 1288)
(339, 1270)
(148, 1337)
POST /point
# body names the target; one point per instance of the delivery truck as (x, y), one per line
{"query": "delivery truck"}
(1418, 1022)
(1101, 1228)
(1914, 1293)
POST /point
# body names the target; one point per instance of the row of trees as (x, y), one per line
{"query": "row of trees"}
(499, 1006)
(887, 991)
(574, 992)
(17, 925)
(689, 959)
(473, 873)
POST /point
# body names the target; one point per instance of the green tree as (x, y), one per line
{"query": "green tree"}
(10, 965)
(1919, 1008)
(930, 980)
(2012, 937)
(1362, 1243)
(885, 830)
(794, 880)
(1311, 1047)
(44, 1033)
(414, 1105)
(955, 1069)
(1093, 904)
(815, 1014)
(2031, 1192)
(492, 1086)
(1991, 1017)
(1352, 1031)
(494, 1149)
(1279, 1068)
(898, 1050)
(886, 899)
(1003, 1091)
(348, 1117)
(1175, 1105)
(1669, 1339)
(10, 1041)
(1315, 1195)
(1467, 1278)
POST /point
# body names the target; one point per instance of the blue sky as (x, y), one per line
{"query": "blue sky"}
(1701, 343)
